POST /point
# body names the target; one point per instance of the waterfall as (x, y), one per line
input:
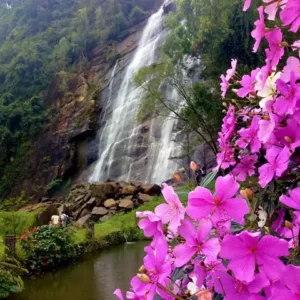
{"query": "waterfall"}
(124, 153)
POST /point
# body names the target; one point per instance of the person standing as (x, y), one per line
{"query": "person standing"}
(64, 219)
(55, 221)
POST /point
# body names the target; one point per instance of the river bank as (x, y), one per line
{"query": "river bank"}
(93, 278)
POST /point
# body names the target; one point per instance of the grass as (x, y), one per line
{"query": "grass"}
(125, 222)
(16, 223)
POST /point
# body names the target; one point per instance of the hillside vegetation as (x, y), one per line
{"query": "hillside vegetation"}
(43, 41)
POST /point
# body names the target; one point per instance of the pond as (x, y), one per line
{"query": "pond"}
(94, 278)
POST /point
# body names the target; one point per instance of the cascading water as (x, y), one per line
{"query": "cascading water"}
(124, 153)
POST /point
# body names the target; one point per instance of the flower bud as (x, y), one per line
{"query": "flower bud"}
(144, 278)
(177, 177)
(224, 104)
(284, 44)
(288, 139)
(182, 170)
(193, 166)
(288, 225)
(247, 193)
(142, 269)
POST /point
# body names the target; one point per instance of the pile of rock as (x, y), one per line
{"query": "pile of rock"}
(93, 202)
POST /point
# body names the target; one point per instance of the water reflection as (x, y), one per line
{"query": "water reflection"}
(95, 278)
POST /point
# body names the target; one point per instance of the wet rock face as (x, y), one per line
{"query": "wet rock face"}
(99, 202)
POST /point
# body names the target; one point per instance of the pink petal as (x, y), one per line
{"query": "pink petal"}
(188, 231)
(118, 293)
(271, 267)
(289, 202)
(266, 174)
(237, 208)
(164, 212)
(273, 246)
(170, 195)
(226, 187)
(229, 251)
(292, 278)
(204, 229)
(200, 203)
(211, 249)
(247, 5)
(260, 281)
(183, 254)
(243, 267)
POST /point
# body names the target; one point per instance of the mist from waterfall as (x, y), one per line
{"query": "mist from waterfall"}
(120, 140)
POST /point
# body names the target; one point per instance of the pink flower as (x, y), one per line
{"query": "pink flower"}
(274, 37)
(196, 241)
(239, 290)
(248, 136)
(289, 135)
(158, 269)
(229, 123)
(265, 71)
(293, 200)
(266, 128)
(276, 165)
(231, 72)
(247, 5)
(248, 85)
(247, 251)
(273, 6)
(291, 15)
(224, 86)
(292, 66)
(225, 158)
(173, 212)
(246, 167)
(201, 202)
(259, 32)
(204, 271)
(151, 224)
(289, 286)
(290, 94)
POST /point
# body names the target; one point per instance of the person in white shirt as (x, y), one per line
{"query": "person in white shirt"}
(55, 220)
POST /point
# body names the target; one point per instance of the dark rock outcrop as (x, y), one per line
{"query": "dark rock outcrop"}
(169, 7)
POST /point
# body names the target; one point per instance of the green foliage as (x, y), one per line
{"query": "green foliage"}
(215, 30)
(54, 184)
(10, 279)
(47, 247)
(14, 223)
(13, 204)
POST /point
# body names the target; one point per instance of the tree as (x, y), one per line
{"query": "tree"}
(170, 92)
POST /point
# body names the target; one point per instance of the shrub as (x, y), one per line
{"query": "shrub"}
(10, 279)
(47, 247)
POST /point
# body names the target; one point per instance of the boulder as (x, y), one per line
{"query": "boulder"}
(87, 196)
(79, 198)
(85, 212)
(99, 211)
(78, 186)
(90, 204)
(44, 217)
(110, 203)
(129, 189)
(151, 189)
(82, 221)
(104, 190)
(144, 197)
(169, 7)
(127, 204)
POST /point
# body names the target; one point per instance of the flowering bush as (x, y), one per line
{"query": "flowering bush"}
(47, 247)
(239, 244)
